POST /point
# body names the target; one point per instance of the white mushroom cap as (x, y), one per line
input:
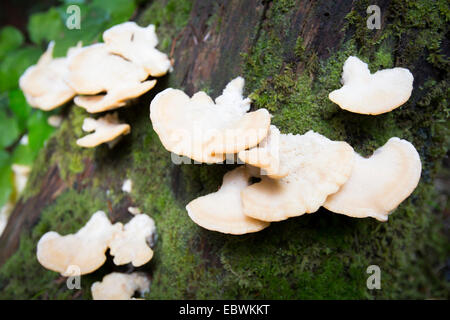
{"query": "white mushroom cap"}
(137, 44)
(222, 210)
(84, 249)
(127, 186)
(130, 245)
(106, 129)
(203, 130)
(44, 84)
(316, 167)
(120, 286)
(375, 93)
(55, 121)
(21, 173)
(380, 183)
(94, 70)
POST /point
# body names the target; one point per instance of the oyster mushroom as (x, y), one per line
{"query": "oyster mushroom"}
(120, 286)
(85, 249)
(203, 130)
(378, 184)
(374, 94)
(44, 84)
(222, 210)
(137, 44)
(106, 129)
(311, 167)
(94, 70)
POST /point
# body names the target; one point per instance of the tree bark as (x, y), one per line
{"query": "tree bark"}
(321, 255)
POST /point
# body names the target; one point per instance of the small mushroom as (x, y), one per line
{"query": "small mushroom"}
(375, 93)
(222, 210)
(203, 130)
(21, 173)
(127, 186)
(120, 286)
(316, 167)
(44, 84)
(130, 245)
(137, 44)
(85, 249)
(94, 70)
(380, 183)
(106, 129)
(55, 121)
(134, 210)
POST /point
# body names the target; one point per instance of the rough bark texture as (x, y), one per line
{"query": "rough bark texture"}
(291, 54)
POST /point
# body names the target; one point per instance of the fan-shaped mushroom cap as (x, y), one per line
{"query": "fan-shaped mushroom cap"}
(137, 44)
(106, 129)
(375, 93)
(380, 183)
(130, 245)
(43, 84)
(84, 249)
(94, 70)
(120, 286)
(316, 167)
(222, 210)
(203, 130)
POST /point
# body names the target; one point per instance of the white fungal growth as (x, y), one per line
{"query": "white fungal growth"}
(204, 130)
(374, 94)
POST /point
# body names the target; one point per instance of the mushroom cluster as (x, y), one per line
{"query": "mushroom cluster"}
(313, 172)
(85, 251)
(101, 77)
(298, 173)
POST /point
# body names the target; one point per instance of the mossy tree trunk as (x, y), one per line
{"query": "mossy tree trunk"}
(291, 54)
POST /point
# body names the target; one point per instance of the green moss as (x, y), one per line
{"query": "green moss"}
(315, 256)
(299, 103)
(70, 158)
(169, 17)
(70, 212)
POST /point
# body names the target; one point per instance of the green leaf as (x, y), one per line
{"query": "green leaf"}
(10, 39)
(23, 154)
(5, 178)
(119, 10)
(38, 130)
(12, 67)
(93, 22)
(45, 26)
(10, 129)
(20, 107)
(96, 17)
(4, 158)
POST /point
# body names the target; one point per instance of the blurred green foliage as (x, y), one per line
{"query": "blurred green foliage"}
(17, 118)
